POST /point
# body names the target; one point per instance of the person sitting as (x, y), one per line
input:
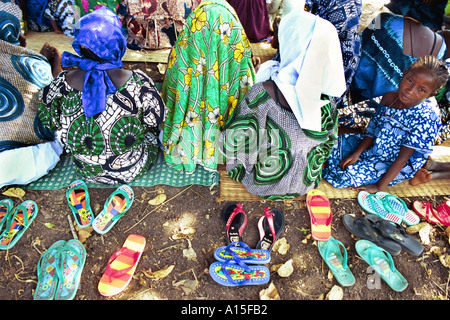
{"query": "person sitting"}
(432, 170)
(284, 128)
(27, 150)
(209, 71)
(107, 116)
(399, 137)
(391, 43)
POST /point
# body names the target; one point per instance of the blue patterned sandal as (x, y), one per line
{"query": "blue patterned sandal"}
(241, 251)
(231, 274)
(373, 204)
(115, 207)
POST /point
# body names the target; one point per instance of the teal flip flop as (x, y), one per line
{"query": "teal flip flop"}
(79, 203)
(373, 204)
(381, 261)
(241, 251)
(330, 251)
(115, 207)
(6, 206)
(73, 257)
(396, 205)
(46, 272)
(17, 223)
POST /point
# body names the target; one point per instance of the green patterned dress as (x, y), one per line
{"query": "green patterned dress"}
(266, 150)
(115, 146)
(209, 72)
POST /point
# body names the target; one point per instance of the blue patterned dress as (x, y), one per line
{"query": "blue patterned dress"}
(416, 128)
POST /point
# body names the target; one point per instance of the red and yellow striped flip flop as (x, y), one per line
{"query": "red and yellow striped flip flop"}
(121, 266)
(320, 214)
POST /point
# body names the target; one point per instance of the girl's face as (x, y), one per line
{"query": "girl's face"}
(415, 86)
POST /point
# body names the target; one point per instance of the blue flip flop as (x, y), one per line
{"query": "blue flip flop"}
(330, 251)
(381, 261)
(373, 204)
(396, 205)
(241, 251)
(237, 273)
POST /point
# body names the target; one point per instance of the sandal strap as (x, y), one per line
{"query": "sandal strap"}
(372, 249)
(60, 267)
(235, 212)
(327, 248)
(114, 272)
(227, 274)
(235, 244)
(269, 215)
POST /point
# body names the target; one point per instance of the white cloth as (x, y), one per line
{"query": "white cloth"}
(24, 165)
(311, 65)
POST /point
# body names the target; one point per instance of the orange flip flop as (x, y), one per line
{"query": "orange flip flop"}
(121, 266)
(320, 214)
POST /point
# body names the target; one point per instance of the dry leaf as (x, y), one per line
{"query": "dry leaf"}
(336, 293)
(157, 275)
(183, 233)
(424, 234)
(14, 192)
(271, 293)
(160, 198)
(281, 246)
(49, 225)
(188, 286)
(286, 269)
(189, 253)
(445, 260)
(84, 233)
(416, 228)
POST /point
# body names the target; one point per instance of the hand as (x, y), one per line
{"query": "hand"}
(351, 159)
(370, 188)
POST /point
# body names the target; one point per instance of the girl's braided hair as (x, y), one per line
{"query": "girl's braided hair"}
(435, 66)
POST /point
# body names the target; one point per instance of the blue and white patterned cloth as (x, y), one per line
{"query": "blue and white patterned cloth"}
(415, 128)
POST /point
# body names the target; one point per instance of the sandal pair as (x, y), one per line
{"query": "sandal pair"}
(440, 215)
(238, 265)
(270, 225)
(59, 271)
(16, 221)
(115, 206)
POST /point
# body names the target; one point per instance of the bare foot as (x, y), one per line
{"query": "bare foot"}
(256, 61)
(53, 56)
(421, 176)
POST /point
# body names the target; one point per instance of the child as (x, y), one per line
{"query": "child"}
(399, 137)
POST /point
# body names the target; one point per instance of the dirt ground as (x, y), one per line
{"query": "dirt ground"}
(183, 233)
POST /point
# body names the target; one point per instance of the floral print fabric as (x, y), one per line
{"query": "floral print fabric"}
(209, 72)
(415, 128)
(115, 146)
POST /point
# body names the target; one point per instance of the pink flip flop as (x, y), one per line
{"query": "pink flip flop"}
(426, 211)
(443, 211)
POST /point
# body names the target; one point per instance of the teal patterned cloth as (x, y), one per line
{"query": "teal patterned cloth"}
(159, 174)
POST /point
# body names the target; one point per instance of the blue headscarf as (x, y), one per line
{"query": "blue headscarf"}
(100, 31)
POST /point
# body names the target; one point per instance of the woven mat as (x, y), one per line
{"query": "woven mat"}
(35, 41)
(159, 174)
(263, 50)
(231, 190)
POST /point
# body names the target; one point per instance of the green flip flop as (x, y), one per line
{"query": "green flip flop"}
(79, 203)
(115, 207)
(46, 272)
(17, 223)
(331, 252)
(73, 257)
(381, 261)
(6, 206)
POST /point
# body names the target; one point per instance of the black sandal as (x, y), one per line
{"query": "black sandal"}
(235, 221)
(270, 226)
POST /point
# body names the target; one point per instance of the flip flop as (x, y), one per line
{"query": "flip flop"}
(443, 211)
(73, 257)
(331, 252)
(235, 221)
(270, 226)
(115, 207)
(241, 251)
(79, 203)
(396, 233)
(365, 229)
(381, 261)
(425, 210)
(6, 206)
(373, 204)
(320, 214)
(237, 273)
(121, 266)
(17, 223)
(46, 272)
(396, 205)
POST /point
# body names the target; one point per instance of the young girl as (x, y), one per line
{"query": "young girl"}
(399, 137)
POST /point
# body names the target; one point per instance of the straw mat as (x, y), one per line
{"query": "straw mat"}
(231, 190)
